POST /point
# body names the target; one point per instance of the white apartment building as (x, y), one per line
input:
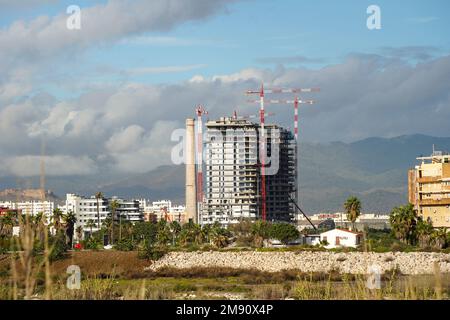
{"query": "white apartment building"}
(31, 207)
(233, 179)
(85, 209)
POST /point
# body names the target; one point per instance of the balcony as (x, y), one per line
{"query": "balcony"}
(434, 202)
(428, 179)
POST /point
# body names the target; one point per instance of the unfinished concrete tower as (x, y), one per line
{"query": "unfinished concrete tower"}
(191, 192)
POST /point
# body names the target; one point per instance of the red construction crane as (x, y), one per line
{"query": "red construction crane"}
(262, 151)
(200, 111)
(261, 101)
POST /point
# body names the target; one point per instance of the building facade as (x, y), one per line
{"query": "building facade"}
(128, 210)
(31, 207)
(85, 210)
(233, 175)
(163, 210)
(337, 238)
(429, 188)
(378, 221)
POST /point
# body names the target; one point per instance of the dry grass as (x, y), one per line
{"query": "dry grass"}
(103, 264)
(120, 275)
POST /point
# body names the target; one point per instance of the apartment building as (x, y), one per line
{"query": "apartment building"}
(429, 188)
(162, 210)
(128, 210)
(233, 177)
(31, 207)
(85, 209)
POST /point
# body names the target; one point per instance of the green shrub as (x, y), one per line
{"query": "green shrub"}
(125, 245)
(151, 252)
(58, 247)
(184, 287)
(284, 232)
(92, 244)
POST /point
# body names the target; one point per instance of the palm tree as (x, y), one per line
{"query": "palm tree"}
(79, 232)
(207, 230)
(70, 219)
(439, 237)
(183, 237)
(98, 196)
(57, 215)
(403, 221)
(114, 205)
(175, 228)
(198, 234)
(90, 224)
(40, 225)
(7, 222)
(218, 236)
(163, 232)
(260, 232)
(353, 209)
(424, 232)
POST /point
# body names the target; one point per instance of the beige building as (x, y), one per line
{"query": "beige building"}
(429, 188)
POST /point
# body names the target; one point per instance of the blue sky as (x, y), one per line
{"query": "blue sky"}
(327, 30)
(249, 31)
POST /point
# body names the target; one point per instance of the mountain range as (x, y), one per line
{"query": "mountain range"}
(373, 169)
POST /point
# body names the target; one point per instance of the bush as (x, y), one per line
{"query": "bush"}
(153, 253)
(125, 245)
(58, 247)
(284, 232)
(92, 244)
(245, 241)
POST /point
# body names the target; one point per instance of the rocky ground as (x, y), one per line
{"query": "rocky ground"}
(352, 262)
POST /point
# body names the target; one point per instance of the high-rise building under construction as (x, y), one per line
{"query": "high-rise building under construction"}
(233, 172)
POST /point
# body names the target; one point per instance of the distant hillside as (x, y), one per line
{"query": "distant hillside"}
(373, 169)
(165, 182)
(26, 195)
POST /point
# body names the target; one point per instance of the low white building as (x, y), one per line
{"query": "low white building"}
(311, 239)
(337, 238)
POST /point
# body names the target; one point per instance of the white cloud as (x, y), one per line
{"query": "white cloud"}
(164, 69)
(244, 75)
(135, 150)
(126, 140)
(29, 165)
(46, 36)
(128, 128)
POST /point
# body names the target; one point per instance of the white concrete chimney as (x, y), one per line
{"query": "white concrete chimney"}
(191, 192)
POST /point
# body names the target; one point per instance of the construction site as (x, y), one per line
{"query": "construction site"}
(251, 168)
